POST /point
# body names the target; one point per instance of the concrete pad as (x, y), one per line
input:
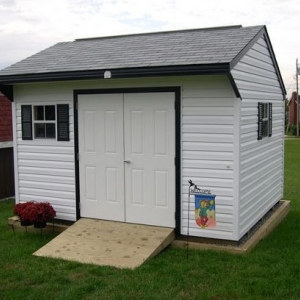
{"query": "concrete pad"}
(108, 243)
(271, 223)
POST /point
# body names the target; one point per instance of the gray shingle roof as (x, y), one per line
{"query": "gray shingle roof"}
(174, 48)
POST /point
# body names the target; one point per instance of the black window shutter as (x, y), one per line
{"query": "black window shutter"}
(63, 122)
(270, 119)
(260, 116)
(26, 119)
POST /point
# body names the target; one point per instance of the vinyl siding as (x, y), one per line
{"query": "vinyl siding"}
(46, 169)
(208, 153)
(261, 161)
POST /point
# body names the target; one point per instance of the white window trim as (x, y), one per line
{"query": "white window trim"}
(44, 122)
(266, 119)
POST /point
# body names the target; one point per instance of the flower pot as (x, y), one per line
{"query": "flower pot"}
(26, 223)
(38, 224)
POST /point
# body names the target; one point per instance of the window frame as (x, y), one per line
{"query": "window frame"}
(34, 122)
(264, 120)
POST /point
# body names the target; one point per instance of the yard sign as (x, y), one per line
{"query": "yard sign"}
(205, 208)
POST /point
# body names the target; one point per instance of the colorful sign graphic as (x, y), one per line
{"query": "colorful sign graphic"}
(205, 211)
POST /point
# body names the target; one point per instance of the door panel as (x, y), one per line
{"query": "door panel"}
(137, 186)
(161, 132)
(136, 131)
(149, 123)
(161, 188)
(101, 153)
(90, 183)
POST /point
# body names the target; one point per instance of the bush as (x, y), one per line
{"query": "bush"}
(34, 211)
(293, 129)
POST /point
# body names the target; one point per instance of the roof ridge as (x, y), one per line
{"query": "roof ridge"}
(160, 32)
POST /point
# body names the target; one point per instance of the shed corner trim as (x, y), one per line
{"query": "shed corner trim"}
(234, 86)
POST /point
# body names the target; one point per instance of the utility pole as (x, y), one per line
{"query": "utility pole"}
(297, 89)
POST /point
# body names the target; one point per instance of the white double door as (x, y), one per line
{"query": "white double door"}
(126, 157)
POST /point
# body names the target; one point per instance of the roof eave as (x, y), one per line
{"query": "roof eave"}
(204, 69)
(7, 82)
(268, 40)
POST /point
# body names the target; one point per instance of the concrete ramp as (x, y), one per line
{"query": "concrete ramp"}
(108, 243)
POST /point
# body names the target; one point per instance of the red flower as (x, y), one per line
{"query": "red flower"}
(34, 211)
(23, 210)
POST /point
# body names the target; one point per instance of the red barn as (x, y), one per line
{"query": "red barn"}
(5, 120)
(6, 149)
(293, 109)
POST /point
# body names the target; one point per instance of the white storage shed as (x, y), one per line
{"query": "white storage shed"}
(114, 127)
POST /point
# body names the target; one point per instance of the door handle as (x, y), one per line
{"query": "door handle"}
(127, 161)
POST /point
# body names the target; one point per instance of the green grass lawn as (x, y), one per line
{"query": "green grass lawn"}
(270, 271)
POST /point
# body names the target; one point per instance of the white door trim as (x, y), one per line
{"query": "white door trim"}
(176, 90)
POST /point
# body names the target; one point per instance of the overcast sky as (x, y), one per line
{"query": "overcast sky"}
(29, 26)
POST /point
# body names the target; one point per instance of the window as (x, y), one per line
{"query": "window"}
(264, 120)
(45, 122)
